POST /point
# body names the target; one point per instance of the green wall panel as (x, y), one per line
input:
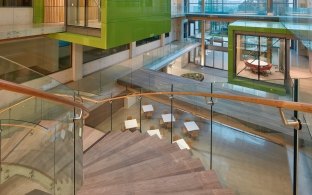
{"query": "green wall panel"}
(126, 21)
(38, 15)
(132, 20)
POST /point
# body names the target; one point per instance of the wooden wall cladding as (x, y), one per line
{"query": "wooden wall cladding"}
(54, 11)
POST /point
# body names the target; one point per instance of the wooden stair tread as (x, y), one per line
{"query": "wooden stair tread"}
(133, 138)
(141, 151)
(45, 155)
(107, 141)
(132, 163)
(163, 166)
(90, 136)
(13, 142)
(19, 185)
(195, 192)
(182, 182)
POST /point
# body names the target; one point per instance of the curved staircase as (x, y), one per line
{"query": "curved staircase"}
(133, 163)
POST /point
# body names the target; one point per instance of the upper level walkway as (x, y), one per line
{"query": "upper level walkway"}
(139, 72)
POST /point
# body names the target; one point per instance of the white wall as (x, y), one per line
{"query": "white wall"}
(147, 47)
(101, 63)
(16, 16)
(123, 57)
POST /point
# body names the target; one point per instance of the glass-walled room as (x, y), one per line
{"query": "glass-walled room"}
(262, 58)
(85, 13)
(259, 7)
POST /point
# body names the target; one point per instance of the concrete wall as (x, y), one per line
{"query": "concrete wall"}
(117, 58)
(101, 63)
(38, 52)
(16, 16)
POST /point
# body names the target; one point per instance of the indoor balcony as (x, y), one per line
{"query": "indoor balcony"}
(31, 19)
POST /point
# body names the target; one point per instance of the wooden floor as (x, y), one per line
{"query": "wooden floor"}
(133, 163)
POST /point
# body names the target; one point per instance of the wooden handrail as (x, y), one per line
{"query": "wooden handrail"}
(9, 86)
(298, 106)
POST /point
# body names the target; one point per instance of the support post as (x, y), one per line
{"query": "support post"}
(202, 52)
(171, 108)
(140, 99)
(77, 61)
(211, 112)
(296, 144)
(111, 113)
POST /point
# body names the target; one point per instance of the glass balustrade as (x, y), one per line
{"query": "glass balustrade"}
(246, 144)
(20, 74)
(224, 134)
(39, 139)
(42, 141)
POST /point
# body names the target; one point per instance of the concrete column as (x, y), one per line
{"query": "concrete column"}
(281, 56)
(181, 29)
(162, 40)
(202, 51)
(270, 7)
(269, 50)
(310, 61)
(238, 49)
(77, 61)
(287, 58)
(203, 6)
(132, 50)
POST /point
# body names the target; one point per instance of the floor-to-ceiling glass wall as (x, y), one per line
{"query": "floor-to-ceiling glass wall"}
(85, 13)
(262, 58)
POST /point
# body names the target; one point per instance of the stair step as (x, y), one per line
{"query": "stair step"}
(90, 136)
(146, 149)
(106, 142)
(202, 192)
(168, 165)
(13, 142)
(183, 182)
(37, 192)
(19, 185)
(133, 138)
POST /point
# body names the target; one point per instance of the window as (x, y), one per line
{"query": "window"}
(15, 3)
(92, 53)
(147, 40)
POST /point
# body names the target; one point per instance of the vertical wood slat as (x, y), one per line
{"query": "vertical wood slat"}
(54, 11)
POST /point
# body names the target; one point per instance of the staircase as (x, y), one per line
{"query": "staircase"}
(134, 163)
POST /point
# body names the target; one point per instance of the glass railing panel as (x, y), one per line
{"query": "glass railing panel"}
(26, 146)
(76, 13)
(298, 21)
(251, 142)
(153, 107)
(94, 14)
(304, 164)
(41, 139)
(304, 95)
(194, 8)
(178, 10)
(17, 73)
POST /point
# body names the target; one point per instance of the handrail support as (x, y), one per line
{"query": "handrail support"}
(294, 122)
